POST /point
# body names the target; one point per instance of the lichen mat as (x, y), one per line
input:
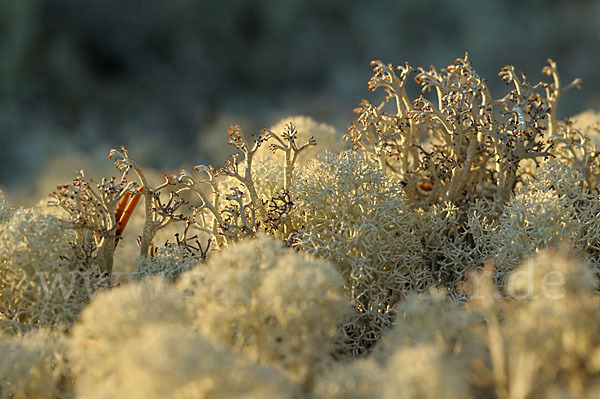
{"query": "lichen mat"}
(452, 251)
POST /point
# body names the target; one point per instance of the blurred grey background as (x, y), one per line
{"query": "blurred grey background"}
(80, 77)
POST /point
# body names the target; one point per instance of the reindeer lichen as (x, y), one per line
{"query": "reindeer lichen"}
(234, 203)
(462, 144)
(273, 305)
(34, 365)
(44, 278)
(454, 252)
(551, 211)
(168, 261)
(355, 216)
(542, 340)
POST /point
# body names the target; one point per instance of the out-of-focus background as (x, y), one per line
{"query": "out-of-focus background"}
(164, 78)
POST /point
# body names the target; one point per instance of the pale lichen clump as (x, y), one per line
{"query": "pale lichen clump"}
(355, 216)
(362, 378)
(429, 318)
(547, 212)
(43, 280)
(481, 223)
(113, 321)
(463, 143)
(269, 303)
(137, 341)
(182, 364)
(423, 371)
(34, 365)
(332, 274)
(543, 341)
(168, 261)
(431, 352)
(447, 252)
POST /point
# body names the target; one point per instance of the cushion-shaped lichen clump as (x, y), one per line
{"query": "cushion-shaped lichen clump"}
(551, 211)
(137, 341)
(42, 282)
(454, 251)
(352, 214)
(273, 305)
(169, 262)
(34, 365)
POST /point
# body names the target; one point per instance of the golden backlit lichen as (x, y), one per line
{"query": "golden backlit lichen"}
(463, 142)
(43, 278)
(269, 303)
(355, 216)
(454, 252)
